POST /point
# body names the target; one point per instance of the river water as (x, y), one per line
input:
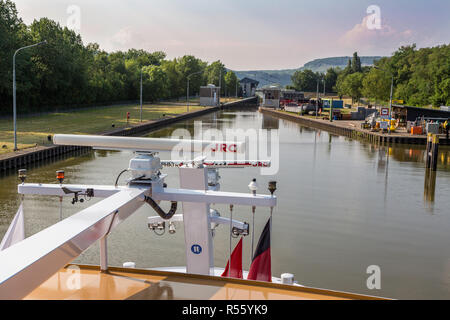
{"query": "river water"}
(343, 205)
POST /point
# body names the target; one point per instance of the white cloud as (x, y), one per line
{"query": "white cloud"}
(125, 37)
(143, 37)
(360, 37)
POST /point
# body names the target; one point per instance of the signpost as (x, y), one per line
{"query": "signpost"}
(384, 113)
(384, 124)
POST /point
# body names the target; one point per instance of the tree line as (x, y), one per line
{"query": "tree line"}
(65, 73)
(421, 77)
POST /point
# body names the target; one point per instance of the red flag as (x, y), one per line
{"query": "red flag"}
(261, 266)
(236, 263)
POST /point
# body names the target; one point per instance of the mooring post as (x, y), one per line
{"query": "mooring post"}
(428, 151)
(430, 185)
(434, 152)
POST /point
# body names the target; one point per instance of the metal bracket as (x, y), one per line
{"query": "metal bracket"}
(88, 193)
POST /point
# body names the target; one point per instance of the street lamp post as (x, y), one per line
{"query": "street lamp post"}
(317, 97)
(220, 86)
(187, 90)
(390, 99)
(323, 80)
(14, 89)
(141, 99)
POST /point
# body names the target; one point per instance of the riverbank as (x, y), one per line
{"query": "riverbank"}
(34, 130)
(35, 154)
(352, 129)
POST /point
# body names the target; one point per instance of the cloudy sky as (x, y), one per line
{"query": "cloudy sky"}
(251, 34)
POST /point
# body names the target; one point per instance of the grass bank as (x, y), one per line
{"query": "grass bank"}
(34, 130)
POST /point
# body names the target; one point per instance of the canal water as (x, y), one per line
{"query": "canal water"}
(343, 205)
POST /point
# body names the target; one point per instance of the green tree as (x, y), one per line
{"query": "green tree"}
(145, 58)
(58, 72)
(186, 66)
(339, 87)
(352, 86)
(442, 96)
(215, 74)
(377, 85)
(305, 80)
(12, 36)
(67, 73)
(348, 69)
(175, 87)
(155, 83)
(440, 73)
(356, 63)
(231, 82)
(331, 79)
(107, 76)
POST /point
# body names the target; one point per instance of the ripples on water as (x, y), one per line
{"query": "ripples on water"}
(342, 205)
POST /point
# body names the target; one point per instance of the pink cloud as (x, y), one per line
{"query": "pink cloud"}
(124, 37)
(138, 37)
(361, 37)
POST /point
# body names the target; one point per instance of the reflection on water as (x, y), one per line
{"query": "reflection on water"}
(269, 122)
(429, 186)
(343, 205)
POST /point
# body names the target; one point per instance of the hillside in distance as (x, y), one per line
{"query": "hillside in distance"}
(283, 77)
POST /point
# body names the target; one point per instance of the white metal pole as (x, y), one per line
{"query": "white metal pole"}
(323, 90)
(225, 90)
(187, 90)
(231, 230)
(14, 101)
(317, 97)
(141, 98)
(60, 208)
(390, 103)
(187, 95)
(253, 233)
(197, 223)
(14, 89)
(140, 144)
